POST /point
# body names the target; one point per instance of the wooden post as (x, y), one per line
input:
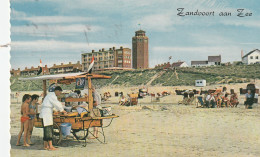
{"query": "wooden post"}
(90, 97)
(44, 88)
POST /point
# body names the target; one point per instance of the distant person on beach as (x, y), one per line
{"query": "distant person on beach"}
(210, 100)
(226, 101)
(218, 100)
(249, 99)
(24, 120)
(122, 101)
(234, 100)
(33, 109)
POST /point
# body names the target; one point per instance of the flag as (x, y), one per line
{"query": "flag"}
(91, 65)
(40, 70)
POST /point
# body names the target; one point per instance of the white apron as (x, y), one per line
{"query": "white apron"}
(49, 102)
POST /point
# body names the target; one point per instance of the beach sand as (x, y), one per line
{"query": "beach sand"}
(159, 129)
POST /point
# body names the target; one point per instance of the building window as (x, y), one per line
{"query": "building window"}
(256, 57)
(251, 57)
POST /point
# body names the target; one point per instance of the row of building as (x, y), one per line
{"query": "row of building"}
(120, 59)
(55, 69)
(111, 59)
(253, 57)
(212, 60)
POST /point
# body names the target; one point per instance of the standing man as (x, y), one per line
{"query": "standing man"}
(96, 104)
(50, 102)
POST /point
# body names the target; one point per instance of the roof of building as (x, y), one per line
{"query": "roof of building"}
(32, 69)
(65, 65)
(198, 62)
(115, 68)
(214, 58)
(140, 31)
(177, 64)
(251, 53)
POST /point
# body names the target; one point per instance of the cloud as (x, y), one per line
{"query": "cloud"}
(202, 50)
(53, 30)
(159, 22)
(242, 22)
(250, 43)
(52, 19)
(17, 14)
(60, 46)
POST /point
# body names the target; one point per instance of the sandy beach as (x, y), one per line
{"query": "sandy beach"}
(159, 129)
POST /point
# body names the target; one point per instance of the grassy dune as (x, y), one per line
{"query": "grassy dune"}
(184, 76)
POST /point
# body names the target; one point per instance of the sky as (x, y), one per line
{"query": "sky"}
(58, 31)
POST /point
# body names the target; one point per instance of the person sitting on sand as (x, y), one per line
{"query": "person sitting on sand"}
(218, 100)
(122, 101)
(185, 98)
(210, 100)
(24, 120)
(249, 99)
(226, 100)
(192, 99)
(33, 109)
(234, 100)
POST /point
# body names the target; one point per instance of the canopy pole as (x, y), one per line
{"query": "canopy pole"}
(90, 100)
(44, 88)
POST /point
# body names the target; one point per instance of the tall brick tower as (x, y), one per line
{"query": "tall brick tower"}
(140, 50)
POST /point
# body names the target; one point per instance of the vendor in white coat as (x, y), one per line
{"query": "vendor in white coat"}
(50, 101)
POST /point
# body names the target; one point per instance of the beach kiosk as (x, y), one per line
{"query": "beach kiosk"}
(80, 123)
(200, 83)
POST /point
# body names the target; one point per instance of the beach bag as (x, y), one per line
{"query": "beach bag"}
(106, 111)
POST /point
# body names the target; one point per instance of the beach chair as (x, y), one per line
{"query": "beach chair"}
(152, 97)
(192, 101)
(133, 101)
(184, 101)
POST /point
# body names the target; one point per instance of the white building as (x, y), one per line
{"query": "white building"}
(212, 60)
(200, 83)
(199, 63)
(252, 57)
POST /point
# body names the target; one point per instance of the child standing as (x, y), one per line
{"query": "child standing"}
(24, 120)
(33, 109)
